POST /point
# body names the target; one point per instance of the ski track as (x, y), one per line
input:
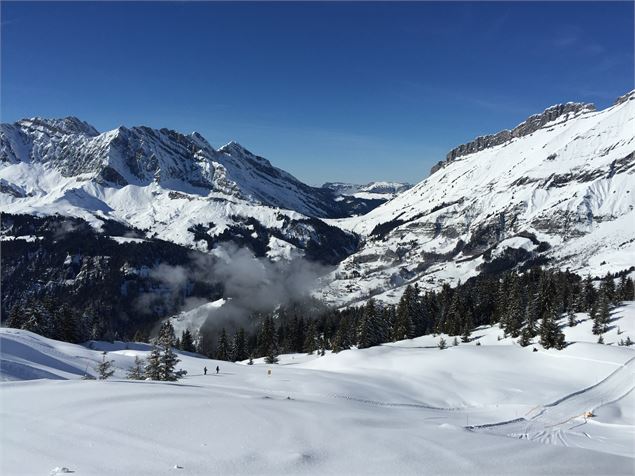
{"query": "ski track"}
(555, 422)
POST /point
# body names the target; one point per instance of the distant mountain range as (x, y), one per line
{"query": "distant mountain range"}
(374, 190)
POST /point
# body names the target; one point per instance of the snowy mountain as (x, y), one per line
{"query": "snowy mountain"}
(559, 189)
(141, 156)
(99, 213)
(478, 408)
(171, 186)
(372, 190)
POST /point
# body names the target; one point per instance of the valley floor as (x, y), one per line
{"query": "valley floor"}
(401, 408)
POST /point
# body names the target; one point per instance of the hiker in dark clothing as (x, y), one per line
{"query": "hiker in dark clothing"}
(217, 369)
(204, 370)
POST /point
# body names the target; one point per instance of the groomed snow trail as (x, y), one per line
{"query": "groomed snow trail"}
(564, 421)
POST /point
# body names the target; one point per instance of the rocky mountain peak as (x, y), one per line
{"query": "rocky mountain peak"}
(63, 126)
(528, 126)
(626, 97)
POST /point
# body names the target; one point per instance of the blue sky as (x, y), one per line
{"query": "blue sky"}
(351, 92)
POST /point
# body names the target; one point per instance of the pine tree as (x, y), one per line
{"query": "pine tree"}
(628, 342)
(525, 337)
(468, 325)
(590, 293)
(571, 320)
(342, 339)
(550, 334)
(512, 321)
(532, 314)
(600, 316)
(368, 333)
(239, 346)
(222, 352)
(268, 338)
(442, 344)
(310, 340)
(403, 327)
(153, 364)
(139, 337)
(104, 368)
(68, 325)
(168, 358)
(608, 288)
(272, 356)
(187, 341)
(136, 372)
(455, 342)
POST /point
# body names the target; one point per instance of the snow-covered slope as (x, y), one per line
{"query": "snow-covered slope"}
(490, 409)
(559, 188)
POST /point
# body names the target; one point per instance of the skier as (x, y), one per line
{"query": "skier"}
(204, 370)
(217, 369)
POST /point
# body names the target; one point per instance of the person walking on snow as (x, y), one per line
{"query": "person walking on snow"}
(204, 370)
(217, 369)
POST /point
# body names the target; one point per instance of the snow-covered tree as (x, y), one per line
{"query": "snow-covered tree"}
(442, 344)
(136, 372)
(104, 368)
(550, 334)
(153, 364)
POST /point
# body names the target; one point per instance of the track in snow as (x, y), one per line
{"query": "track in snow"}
(563, 422)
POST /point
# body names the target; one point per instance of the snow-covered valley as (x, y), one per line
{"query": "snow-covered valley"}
(400, 408)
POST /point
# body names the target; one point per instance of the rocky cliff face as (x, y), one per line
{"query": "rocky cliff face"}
(529, 126)
(561, 192)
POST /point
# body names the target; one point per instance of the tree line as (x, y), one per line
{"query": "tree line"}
(527, 306)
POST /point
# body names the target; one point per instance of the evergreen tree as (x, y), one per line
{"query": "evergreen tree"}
(368, 333)
(442, 344)
(590, 294)
(239, 346)
(187, 341)
(403, 327)
(512, 320)
(153, 364)
(525, 337)
(268, 337)
(342, 339)
(455, 342)
(136, 372)
(532, 314)
(468, 325)
(571, 320)
(104, 368)
(222, 352)
(601, 316)
(311, 338)
(607, 288)
(139, 336)
(168, 358)
(68, 325)
(550, 334)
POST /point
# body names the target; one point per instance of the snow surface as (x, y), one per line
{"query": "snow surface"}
(571, 184)
(402, 408)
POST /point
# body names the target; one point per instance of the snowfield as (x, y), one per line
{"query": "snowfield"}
(401, 408)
